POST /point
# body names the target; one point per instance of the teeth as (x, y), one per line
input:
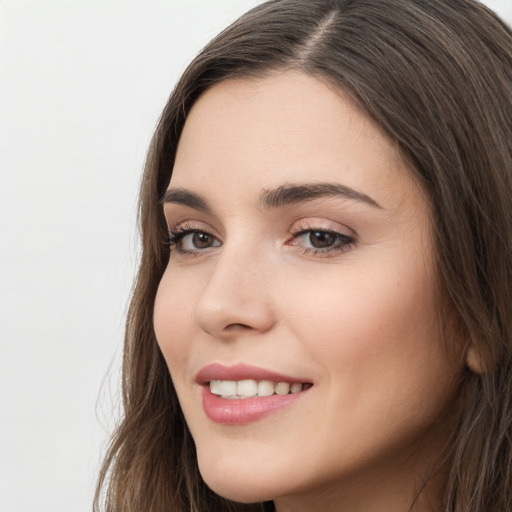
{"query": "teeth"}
(296, 387)
(223, 387)
(283, 388)
(265, 388)
(249, 388)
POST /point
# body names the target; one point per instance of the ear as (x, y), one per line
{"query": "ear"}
(474, 359)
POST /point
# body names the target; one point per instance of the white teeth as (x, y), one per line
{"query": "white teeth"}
(283, 388)
(265, 388)
(249, 388)
(223, 388)
(215, 387)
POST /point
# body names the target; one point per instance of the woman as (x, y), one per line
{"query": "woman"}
(329, 326)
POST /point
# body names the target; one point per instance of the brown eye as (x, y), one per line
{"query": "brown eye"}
(322, 242)
(188, 241)
(322, 239)
(202, 240)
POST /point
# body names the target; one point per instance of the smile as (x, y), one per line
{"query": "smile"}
(241, 394)
(249, 388)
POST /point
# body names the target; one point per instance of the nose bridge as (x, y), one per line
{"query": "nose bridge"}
(237, 293)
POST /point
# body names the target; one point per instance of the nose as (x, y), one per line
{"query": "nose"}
(237, 297)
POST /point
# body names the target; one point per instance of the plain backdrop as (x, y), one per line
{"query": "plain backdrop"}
(81, 87)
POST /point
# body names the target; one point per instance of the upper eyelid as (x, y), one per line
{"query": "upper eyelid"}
(190, 225)
(176, 214)
(318, 224)
(296, 226)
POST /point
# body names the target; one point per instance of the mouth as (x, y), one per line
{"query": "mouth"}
(241, 394)
(249, 388)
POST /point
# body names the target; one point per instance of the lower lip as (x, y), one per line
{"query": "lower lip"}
(244, 410)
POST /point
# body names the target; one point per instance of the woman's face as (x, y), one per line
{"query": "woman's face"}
(301, 255)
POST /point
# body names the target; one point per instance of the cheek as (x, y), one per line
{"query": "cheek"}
(364, 311)
(172, 321)
(385, 377)
(376, 335)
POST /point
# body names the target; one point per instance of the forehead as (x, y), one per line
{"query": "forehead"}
(289, 127)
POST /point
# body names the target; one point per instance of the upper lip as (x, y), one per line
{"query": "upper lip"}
(218, 371)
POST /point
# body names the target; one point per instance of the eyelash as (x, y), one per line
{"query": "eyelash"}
(343, 241)
(176, 235)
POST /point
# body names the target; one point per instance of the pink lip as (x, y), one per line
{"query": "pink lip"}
(244, 410)
(218, 371)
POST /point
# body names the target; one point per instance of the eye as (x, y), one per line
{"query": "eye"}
(186, 240)
(320, 241)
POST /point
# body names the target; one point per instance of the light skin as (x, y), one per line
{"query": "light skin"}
(337, 288)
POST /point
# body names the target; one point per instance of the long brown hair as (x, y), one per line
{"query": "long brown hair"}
(436, 75)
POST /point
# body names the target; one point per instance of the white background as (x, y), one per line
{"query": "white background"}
(81, 87)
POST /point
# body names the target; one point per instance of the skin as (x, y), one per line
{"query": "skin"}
(359, 321)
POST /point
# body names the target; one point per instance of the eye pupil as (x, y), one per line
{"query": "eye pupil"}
(201, 240)
(322, 239)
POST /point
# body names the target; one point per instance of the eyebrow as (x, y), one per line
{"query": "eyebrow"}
(300, 193)
(187, 198)
(274, 198)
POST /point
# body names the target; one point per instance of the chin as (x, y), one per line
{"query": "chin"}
(243, 485)
(239, 490)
